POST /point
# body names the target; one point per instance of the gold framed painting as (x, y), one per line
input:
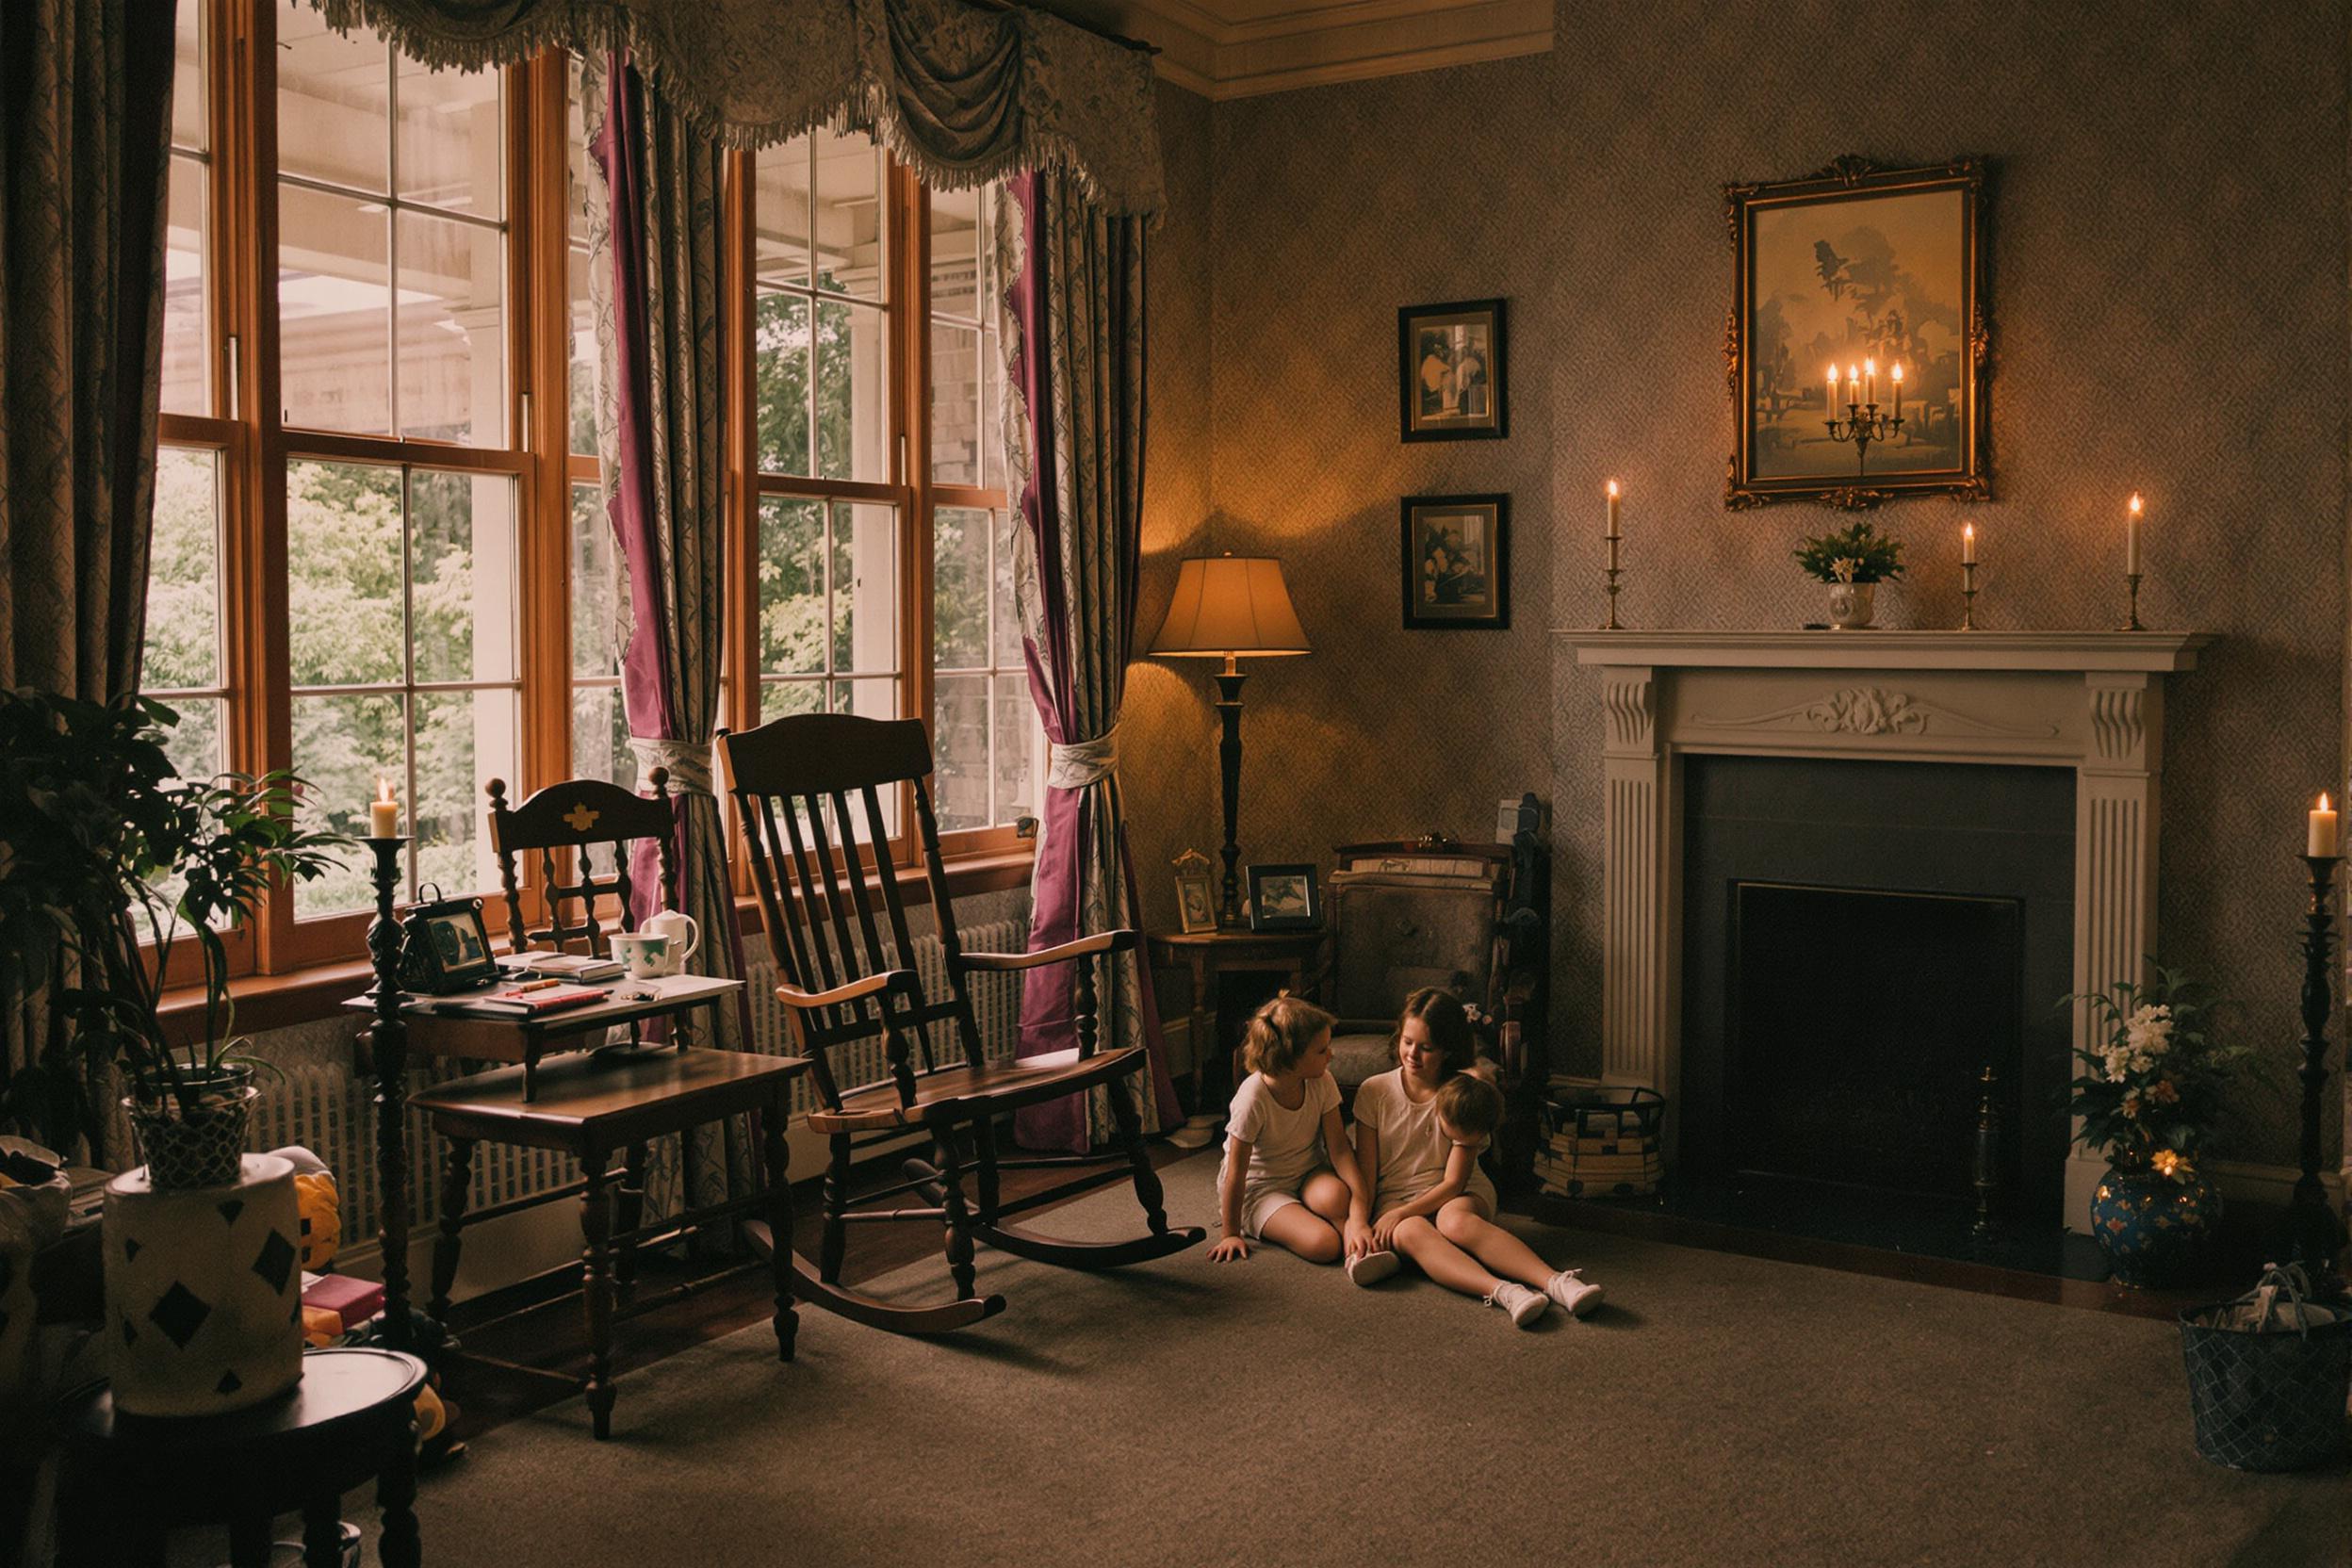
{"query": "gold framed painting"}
(1859, 272)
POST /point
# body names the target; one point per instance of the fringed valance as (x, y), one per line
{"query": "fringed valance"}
(962, 94)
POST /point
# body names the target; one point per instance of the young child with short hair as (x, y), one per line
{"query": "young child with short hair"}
(1290, 1174)
(1418, 1132)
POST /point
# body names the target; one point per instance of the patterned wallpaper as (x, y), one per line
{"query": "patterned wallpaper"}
(2169, 313)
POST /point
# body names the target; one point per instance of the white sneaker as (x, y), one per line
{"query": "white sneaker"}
(1568, 1289)
(1524, 1305)
(1370, 1269)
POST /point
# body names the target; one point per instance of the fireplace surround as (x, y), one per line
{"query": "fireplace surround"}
(2090, 702)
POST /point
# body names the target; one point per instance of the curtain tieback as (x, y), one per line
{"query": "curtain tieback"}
(689, 764)
(1082, 762)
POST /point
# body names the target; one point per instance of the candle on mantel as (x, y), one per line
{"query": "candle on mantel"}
(2323, 834)
(1613, 498)
(2132, 538)
(1967, 545)
(384, 812)
(1898, 413)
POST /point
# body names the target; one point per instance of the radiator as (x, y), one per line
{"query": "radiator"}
(326, 1108)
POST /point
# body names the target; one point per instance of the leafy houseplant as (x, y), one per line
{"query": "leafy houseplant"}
(2148, 1098)
(1853, 560)
(104, 852)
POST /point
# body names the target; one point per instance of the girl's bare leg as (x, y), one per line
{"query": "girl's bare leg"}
(1442, 1261)
(1463, 1223)
(1296, 1227)
(1327, 1195)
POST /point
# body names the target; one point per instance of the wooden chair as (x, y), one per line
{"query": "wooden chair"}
(594, 1104)
(795, 783)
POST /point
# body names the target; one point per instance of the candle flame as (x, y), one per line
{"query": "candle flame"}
(1853, 374)
(1833, 376)
(1612, 489)
(2135, 503)
(1869, 367)
(1898, 369)
(383, 789)
(1968, 530)
(2322, 801)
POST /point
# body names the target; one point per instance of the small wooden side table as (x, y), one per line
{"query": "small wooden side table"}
(129, 1479)
(1208, 955)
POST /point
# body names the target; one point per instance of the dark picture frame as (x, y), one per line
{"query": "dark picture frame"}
(1455, 562)
(445, 947)
(1859, 262)
(1452, 372)
(1285, 898)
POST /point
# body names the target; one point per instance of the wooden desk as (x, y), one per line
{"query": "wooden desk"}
(441, 1026)
(1207, 955)
(353, 1417)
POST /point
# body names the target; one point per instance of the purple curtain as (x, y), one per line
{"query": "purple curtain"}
(1074, 343)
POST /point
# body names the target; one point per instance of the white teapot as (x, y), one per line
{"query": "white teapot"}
(685, 937)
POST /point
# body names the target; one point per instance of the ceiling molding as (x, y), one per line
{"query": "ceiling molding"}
(1224, 49)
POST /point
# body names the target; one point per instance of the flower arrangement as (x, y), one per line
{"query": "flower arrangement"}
(2150, 1094)
(1856, 555)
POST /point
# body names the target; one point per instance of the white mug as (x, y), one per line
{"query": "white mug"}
(684, 936)
(643, 955)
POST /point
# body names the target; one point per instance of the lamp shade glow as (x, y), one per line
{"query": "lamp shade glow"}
(1229, 604)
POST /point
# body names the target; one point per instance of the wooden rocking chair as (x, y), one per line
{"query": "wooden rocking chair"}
(841, 989)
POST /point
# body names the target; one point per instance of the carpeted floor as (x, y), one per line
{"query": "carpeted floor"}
(1719, 1409)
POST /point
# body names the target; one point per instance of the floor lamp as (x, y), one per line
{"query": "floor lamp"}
(1230, 607)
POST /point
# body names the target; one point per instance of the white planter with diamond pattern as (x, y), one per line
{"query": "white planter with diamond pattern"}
(204, 1291)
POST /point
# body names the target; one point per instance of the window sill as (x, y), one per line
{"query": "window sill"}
(265, 1002)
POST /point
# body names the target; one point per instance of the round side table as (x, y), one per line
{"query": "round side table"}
(129, 1479)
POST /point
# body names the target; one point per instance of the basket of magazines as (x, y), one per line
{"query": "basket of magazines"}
(1602, 1143)
(2269, 1375)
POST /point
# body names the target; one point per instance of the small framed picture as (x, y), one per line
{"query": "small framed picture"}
(1196, 903)
(1457, 563)
(1449, 371)
(1284, 898)
(445, 947)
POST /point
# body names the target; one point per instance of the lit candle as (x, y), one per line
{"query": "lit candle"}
(1613, 498)
(1854, 385)
(1833, 389)
(2323, 834)
(383, 813)
(1967, 545)
(2132, 538)
(1870, 381)
(1899, 411)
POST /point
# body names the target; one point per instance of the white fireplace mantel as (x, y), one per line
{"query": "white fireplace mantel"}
(2089, 700)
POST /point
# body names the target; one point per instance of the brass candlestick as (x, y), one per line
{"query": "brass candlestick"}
(1611, 572)
(2131, 615)
(1968, 595)
(1862, 425)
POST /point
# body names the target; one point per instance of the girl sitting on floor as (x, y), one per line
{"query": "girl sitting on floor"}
(1290, 1174)
(1418, 1132)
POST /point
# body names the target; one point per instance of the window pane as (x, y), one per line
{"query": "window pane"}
(584, 362)
(187, 343)
(334, 311)
(462, 593)
(781, 221)
(780, 337)
(333, 101)
(452, 348)
(451, 145)
(792, 586)
(342, 745)
(184, 573)
(849, 215)
(600, 737)
(464, 740)
(960, 586)
(865, 590)
(955, 252)
(778, 699)
(959, 751)
(596, 587)
(343, 533)
(852, 393)
(991, 439)
(194, 744)
(191, 54)
(1006, 615)
(1018, 733)
(954, 404)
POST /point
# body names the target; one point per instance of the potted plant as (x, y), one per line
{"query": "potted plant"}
(1853, 561)
(2149, 1097)
(111, 865)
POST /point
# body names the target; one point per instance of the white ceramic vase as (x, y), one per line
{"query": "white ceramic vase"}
(1849, 605)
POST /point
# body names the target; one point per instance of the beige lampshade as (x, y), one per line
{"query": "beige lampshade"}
(1229, 604)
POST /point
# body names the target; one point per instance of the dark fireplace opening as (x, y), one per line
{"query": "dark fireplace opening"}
(1858, 1027)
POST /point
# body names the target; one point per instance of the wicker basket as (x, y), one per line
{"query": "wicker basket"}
(2269, 1376)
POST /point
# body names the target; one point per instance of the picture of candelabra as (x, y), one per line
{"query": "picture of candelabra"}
(1863, 423)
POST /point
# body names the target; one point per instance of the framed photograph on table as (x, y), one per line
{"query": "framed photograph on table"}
(1450, 371)
(1859, 308)
(1196, 903)
(1284, 898)
(1456, 563)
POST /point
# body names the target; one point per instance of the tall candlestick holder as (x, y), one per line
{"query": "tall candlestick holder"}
(1862, 425)
(401, 1326)
(2315, 1232)
(1613, 574)
(2132, 611)
(1968, 595)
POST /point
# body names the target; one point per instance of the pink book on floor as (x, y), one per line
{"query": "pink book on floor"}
(355, 1301)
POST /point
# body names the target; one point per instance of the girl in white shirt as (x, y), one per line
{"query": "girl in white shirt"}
(1290, 1174)
(1432, 1201)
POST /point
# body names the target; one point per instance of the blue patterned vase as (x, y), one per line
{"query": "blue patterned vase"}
(2154, 1228)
